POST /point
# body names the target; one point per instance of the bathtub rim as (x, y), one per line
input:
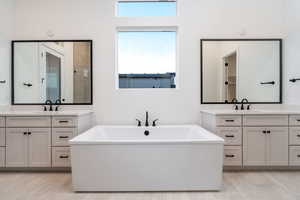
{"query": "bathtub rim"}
(213, 138)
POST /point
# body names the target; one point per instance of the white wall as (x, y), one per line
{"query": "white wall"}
(6, 32)
(93, 19)
(292, 52)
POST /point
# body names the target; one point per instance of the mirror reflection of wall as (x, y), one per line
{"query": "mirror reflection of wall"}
(241, 69)
(51, 71)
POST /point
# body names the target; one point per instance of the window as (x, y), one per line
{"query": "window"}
(140, 8)
(147, 59)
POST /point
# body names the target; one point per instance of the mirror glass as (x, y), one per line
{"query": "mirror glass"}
(238, 69)
(52, 70)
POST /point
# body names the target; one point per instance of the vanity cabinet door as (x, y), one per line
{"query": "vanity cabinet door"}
(278, 146)
(2, 122)
(16, 147)
(39, 147)
(2, 156)
(2, 137)
(254, 146)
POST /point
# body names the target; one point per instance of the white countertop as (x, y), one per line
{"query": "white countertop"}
(45, 113)
(252, 112)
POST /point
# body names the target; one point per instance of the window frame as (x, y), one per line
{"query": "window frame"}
(147, 29)
(128, 1)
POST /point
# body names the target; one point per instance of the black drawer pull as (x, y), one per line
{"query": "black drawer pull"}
(229, 156)
(229, 136)
(298, 135)
(270, 83)
(229, 120)
(298, 156)
(62, 137)
(63, 121)
(64, 156)
(25, 133)
(264, 132)
(298, 120)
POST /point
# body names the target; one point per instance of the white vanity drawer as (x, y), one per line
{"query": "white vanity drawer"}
(28, 122)
(61, 136)
(294, 156)
(232, 156)
(294, 138)
(2, 156)
(266, 120)
(2, 122)
(2, 137)
(294, 120)
(229, 120)
(61, 157)
(231, 135)
(63, 121)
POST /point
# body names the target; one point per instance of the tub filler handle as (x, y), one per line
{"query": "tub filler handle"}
(154, 122)
(139, 122)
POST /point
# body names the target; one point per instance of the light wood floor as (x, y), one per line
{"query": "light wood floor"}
(237, 186)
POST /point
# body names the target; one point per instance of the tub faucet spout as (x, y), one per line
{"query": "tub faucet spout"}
(147, 119)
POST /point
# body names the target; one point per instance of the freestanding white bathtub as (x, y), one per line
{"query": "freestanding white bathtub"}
(170, 158)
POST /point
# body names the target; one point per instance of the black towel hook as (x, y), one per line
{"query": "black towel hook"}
(293, 80)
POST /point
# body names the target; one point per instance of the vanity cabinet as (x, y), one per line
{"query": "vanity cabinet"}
(39, 141)
(265, 146)
(2, 142)
(256, 139)
(64, 129)
(28, 122)
(229, 127)
(28, 147)
(294, 140)
(2, 122)
(61, 157)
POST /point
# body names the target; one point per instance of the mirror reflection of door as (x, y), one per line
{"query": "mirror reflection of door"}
(53, 77)
(82, 74)
(230, 67)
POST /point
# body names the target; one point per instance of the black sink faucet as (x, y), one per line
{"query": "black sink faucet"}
(235, 101)
(48, 102)
(243, 102)
(57, 103)
(147, 119)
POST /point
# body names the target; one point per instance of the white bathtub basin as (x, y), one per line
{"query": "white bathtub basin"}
(170, 158)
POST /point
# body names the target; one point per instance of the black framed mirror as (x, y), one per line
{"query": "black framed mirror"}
(52, 70)
(241, 68)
